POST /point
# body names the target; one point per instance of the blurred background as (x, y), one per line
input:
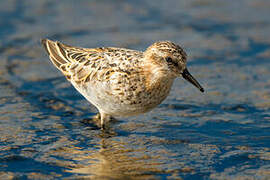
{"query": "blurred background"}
(221, 134)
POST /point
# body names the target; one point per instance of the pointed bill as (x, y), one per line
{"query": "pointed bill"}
(187, 76)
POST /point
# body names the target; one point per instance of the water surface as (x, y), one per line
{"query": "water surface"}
(221, 134)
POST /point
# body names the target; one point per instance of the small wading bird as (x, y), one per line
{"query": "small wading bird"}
(119, 81)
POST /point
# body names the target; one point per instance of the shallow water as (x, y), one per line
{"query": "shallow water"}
(221, 134)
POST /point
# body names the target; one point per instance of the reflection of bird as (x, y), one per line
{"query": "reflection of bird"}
(118, 81)
(113, 160)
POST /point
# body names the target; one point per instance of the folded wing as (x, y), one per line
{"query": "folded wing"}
(78, 64)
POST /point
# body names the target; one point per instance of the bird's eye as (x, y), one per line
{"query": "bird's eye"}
(169, 60)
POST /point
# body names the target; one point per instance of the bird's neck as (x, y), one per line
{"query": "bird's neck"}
(158, 78)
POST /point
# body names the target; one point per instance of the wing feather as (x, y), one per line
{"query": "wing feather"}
(78, 64)
(56, 53)
(83, 64)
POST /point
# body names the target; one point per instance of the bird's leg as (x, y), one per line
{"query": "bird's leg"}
(103, 119)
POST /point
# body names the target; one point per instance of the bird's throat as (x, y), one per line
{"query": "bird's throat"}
(158, 79)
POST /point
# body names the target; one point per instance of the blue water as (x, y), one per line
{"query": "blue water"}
(46, 130)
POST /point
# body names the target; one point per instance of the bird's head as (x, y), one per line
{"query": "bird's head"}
(170, 59)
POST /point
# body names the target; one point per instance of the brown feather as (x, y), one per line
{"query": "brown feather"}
(56, 52)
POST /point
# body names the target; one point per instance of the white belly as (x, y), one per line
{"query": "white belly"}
(111, 104)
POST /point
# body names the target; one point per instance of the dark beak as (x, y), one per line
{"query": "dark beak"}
(187, 76)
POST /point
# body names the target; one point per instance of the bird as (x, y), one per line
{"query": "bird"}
(121, 82)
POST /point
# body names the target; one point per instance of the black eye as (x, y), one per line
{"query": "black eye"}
(169, 60)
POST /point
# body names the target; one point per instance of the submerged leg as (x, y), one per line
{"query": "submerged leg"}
(103, 119)
(100, 120)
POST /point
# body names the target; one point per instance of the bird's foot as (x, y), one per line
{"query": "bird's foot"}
(92, 121)
(98, 121)
(97, 117)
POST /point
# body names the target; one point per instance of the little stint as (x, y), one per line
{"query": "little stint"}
(119, 81)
